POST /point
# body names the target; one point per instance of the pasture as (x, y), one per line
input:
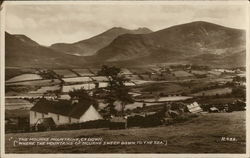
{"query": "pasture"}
(65, 73)
(83, 72)
(24, 77)
(77, 80)
(46, 89)
(196, 72)
(140, 70)
(12, 72)
(14, 103)
(46, 82)
(212, 92)
(182, 74)
(202, 134)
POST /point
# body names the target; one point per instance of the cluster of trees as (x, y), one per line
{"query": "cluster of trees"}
(115, 91)
(189, 66)
(47, 74)
(239, 79)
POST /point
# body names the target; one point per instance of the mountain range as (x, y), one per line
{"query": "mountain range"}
(194, 43)
(90, 46)
(21, 51)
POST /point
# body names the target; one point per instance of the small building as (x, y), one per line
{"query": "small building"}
(214, 110)
(194, 108)
(64, 111)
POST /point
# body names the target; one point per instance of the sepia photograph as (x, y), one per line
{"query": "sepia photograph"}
(120, 77)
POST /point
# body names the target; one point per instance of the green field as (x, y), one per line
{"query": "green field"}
(65, 73)
(199, 135)
(217, 91)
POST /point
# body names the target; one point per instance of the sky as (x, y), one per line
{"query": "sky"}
(49, 24)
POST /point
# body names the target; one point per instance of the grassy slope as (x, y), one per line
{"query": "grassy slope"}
(199, 135)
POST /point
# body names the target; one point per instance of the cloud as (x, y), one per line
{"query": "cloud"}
(13, 22)
(48, 24)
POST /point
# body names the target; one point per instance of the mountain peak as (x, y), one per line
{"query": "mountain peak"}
(90, 46)
(22, 38)
(117, 28)
(176, 43)
(143, 30)
(139, 30)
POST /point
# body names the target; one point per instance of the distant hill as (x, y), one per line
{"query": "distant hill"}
(92, 45)
(21, 51)
(197, 42)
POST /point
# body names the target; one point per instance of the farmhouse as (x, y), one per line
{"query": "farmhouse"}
(64, 111)
(194, 108)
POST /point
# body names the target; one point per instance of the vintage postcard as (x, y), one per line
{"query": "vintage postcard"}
(124, 78)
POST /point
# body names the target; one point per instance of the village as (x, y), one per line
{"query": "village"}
(118, 98)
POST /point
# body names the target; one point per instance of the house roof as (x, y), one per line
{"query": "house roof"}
(194, 108)
(62, 107)
(214, 108)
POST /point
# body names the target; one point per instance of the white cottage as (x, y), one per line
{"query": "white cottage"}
(64, 112)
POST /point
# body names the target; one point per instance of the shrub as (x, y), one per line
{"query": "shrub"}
(84, 125)
(136, 120)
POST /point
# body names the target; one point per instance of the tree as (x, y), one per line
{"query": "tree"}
(239, 79)
(239, 92)
(116, 90)
(122, 94)
(82, 95)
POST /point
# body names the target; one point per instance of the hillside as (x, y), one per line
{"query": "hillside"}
(202, 134)
(197, 42)
(92, 45)
(21, 51)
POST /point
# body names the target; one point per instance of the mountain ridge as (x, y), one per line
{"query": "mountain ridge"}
(193, 43)
(21, 51)
(91, 45)
(186, 41)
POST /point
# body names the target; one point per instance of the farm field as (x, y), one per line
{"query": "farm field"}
(12, 72)
(165, 88)
(202, 134)
(164, 99)
(94, 70)
(24, 77)
(65, 73)
(217, 91)
(35, 83)
(12, 104)
(182, 74)
(31, 87)
(83, 72)
(215, 100)
(77, 79)
(46, 89)
(140, 70)
(196, 72)
(217, 73)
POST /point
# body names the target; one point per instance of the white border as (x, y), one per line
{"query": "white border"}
(126, 2)
(2, 77)
(248, 82)
(122, 3)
